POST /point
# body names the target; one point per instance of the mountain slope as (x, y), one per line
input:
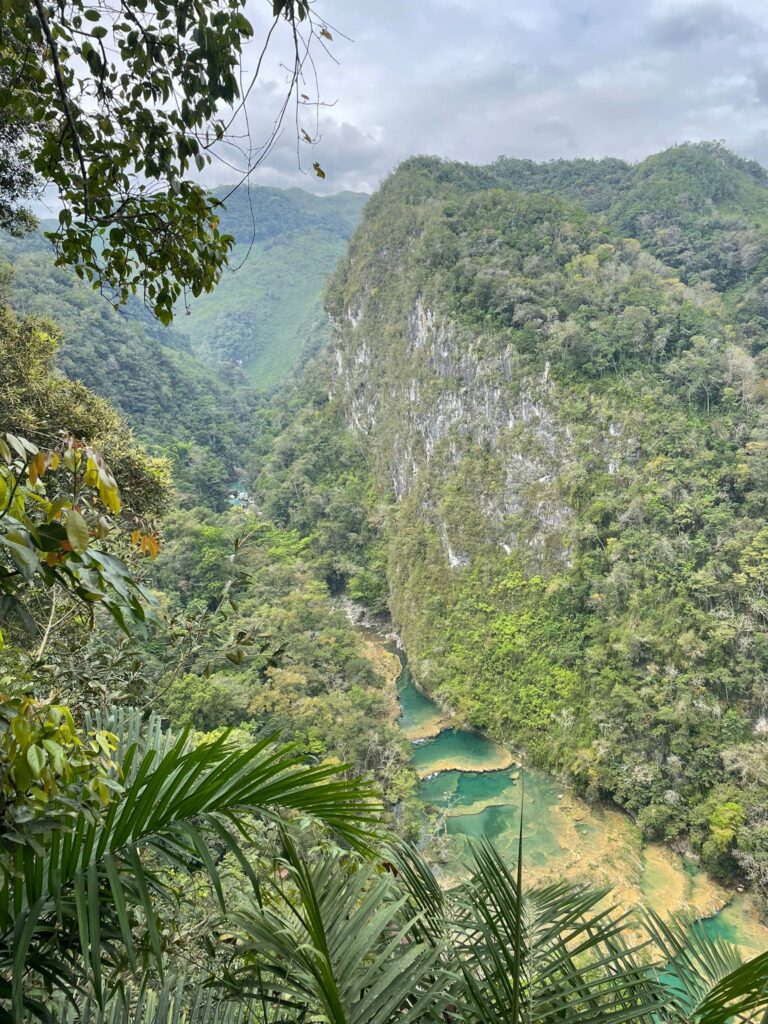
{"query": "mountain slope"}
(574, 442)
(698, 207)
(267, 309)
(192, 390)
(195, 413)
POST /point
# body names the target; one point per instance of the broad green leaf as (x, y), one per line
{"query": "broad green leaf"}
(36, 760)
(78, 534)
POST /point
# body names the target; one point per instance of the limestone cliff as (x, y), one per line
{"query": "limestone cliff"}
(572, 440)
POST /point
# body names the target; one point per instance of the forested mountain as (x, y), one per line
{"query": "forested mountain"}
(192, 390)
(259, 448)
(567, 440)
(554, 478)
(267, 308)
(699, 208)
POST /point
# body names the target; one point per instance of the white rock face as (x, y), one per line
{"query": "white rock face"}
(434, 399)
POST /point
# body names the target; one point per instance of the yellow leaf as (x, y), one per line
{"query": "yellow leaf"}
(108, 491)
(91, 475)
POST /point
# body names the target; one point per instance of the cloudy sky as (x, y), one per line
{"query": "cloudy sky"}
(532, 78)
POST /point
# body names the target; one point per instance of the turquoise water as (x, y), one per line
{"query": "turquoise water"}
(738, 924)
(456, 747)
(460, 776)
(480, 802)
(462, 789)
(416, 709)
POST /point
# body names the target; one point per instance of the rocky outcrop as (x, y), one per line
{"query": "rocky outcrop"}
(434, 399)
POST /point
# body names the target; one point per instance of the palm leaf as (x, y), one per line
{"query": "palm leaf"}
(179, 1001)
(68, 902)
(553, 953)
(426, 901)
(706, 978)
(334, 942)
(133, 732)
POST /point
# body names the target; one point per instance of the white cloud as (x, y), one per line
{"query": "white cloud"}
(537, 78)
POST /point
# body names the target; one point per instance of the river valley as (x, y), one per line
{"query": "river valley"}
(477, 785)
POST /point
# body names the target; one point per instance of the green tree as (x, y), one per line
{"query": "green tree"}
(86, 895)
(114, 108)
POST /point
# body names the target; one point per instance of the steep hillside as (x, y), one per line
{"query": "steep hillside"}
(193, 412)
(573, 437)
(192, 390)
(267, 309)
(699, 208)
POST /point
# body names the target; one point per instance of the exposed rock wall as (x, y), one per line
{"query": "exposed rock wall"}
(433, 401)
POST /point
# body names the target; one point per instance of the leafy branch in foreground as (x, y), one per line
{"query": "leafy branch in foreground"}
(74, 898)
(337, 941)
(115, 106)
(55, 513)
(333, 939)
(555, 952)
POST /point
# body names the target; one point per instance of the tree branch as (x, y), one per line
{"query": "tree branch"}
(61, 86)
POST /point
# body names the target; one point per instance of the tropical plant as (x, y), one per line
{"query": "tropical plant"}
(340, 942)
(86, 898)
(324, 937)
(177, 1000)
(333, 941)
(53, 505)
(706, 980)
(555, 952)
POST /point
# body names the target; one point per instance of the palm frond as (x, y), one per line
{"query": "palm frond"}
(553, 953)
(706, 978)
(426, 901)
(132, 731)
(69, 900)
(334, 941)
(178, 1001)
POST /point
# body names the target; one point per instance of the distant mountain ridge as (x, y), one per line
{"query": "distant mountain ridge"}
(698, 207)
(267, 308)
(193, 389)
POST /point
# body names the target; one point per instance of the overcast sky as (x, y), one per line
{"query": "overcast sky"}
(532, 78)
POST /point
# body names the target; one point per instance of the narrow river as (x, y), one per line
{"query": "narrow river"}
(477, 785)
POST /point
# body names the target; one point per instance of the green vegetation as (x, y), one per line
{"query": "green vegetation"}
(72, 910)
(191, 391)
(576, 435)
(133, 221)
(576, 553)
(266, 312)
(298, 670)
(193, 414)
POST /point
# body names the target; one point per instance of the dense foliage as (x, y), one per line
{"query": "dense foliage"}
(305, 674)
(575, 433)
(192, 391)
(575, 439)
(86, 90)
